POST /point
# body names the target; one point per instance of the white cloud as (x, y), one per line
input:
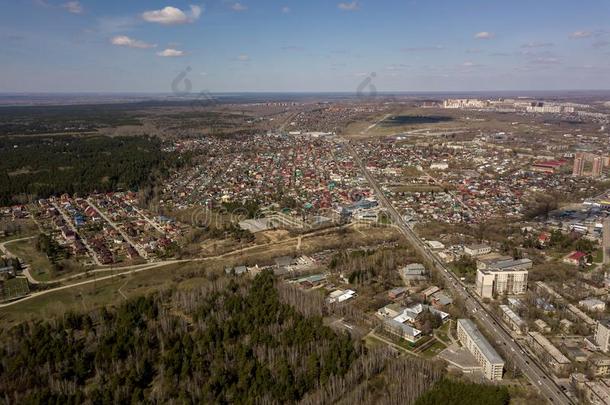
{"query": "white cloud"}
(484, 35)
(172, 15)
(581, 34)
(285, 9)
(243, 58)
(238, 7)
(73, 7)
(531, 45)
(196, 11)
(170, 52)
(354, 5)
(124, 40)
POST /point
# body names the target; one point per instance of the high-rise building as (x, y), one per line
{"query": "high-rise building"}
(579, 165)
(598, 164)
(505, 277)
(594, 164)
(606, 240)
(602, 336)
(483, 352)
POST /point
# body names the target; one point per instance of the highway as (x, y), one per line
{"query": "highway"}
(519, 356)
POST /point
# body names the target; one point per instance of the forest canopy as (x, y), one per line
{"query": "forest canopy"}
(452, 392)
(230, 346)
(234, 340)
(33, 168)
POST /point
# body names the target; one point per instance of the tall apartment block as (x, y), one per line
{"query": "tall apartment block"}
(505, 277)
(579, 165)
(596, 164)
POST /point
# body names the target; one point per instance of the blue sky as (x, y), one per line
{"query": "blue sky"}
(304, 45)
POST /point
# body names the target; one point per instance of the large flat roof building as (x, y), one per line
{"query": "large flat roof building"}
(483, 352)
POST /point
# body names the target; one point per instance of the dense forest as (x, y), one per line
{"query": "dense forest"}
(27, 120)
(451, 392)
(232, 345)
(232, 340)
(40, 167)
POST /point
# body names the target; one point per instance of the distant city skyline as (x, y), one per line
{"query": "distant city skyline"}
(314, 46)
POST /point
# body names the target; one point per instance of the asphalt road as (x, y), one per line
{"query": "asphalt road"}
(526, 363)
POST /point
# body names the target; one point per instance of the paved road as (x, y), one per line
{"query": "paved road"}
(526, 363)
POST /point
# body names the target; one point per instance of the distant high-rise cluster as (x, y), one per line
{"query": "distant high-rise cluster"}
(582, 161)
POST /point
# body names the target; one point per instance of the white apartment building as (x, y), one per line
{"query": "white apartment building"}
(483, 352)
(508, 277)
(512, 319)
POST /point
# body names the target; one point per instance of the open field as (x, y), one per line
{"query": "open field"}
(96, 294)
(182, 275)
(403, 120)
(26, 250)
(414, 122)
(433, 350)
(41, 267)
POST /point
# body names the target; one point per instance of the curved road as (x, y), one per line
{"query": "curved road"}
(126, 270)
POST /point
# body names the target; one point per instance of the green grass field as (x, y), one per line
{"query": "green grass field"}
(433, 350)
(27, 252)
(105, 292)
(41, 267)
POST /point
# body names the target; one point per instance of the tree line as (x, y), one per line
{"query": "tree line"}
(32, 168)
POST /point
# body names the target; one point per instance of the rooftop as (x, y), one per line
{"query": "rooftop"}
(548, 346)
(486, 349)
